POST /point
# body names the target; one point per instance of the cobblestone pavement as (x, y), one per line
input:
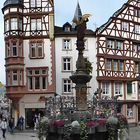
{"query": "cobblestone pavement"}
(134, 133)
(20, 136)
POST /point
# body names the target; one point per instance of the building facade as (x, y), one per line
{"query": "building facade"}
(40, 57)
(30, 64)
(66, 57)
(118, 58)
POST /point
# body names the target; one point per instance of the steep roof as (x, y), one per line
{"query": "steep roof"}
(102, 27)
(59, 31)
(7, 2)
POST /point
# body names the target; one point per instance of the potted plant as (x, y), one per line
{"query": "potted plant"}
(59, 124)
(43, 129)
(91, 126)
(122, 126)
(101, 125)
(75, 127)
(112, 123)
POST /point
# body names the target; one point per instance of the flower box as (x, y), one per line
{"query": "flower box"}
(91, 130)
(101, 128)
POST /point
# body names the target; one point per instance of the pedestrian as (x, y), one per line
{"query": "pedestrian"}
(21, 123)
(11, 125)
(3, 127)
(36, 122)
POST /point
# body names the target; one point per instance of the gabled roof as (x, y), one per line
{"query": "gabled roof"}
(59, 31)
(102, 27)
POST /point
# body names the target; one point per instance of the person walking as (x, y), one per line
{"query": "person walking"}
(11, 125)
(21, 123)
(3, 127)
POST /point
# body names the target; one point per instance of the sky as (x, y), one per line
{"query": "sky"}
(100, 10)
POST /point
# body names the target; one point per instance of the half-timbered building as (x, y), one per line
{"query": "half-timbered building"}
(118, 58)
(29, 45)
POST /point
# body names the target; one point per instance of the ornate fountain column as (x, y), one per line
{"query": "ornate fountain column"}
(81, 76)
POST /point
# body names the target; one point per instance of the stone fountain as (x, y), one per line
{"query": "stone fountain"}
(81, 76)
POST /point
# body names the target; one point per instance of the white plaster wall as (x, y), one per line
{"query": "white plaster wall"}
(46, 62)
(90, 53)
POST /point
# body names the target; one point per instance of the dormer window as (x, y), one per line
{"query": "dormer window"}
(67, 29)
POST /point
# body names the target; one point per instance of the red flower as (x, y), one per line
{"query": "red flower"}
(101, 121)
(59, 123)
(91, 123)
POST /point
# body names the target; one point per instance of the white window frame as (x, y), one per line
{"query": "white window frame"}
(67, 64)
(110, 44)
(35, 3)
(105, 88)
(6, 25)
(108, 64)
(40, 76)
(36, 46)
(118, 88)
(36, 24)
(14, 49)
(66, 44)
(14, 77)
(119, 45)
(137, 29)
(14, 23)
(121, 65)
(115, 65)
(67, 86)
(125, 26)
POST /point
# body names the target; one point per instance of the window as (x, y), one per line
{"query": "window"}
(14, 77)
(35, 3)
(115, 44)
(110, 44)
(8, 78)
(20, 24)
(7, 50)
(130, 111)
(14, 24)
(67, 85)
(115, 65)
(67, 29)
(119, 45)
(7, 25)
(137, 29)
(14, 49)
(105, 88)
(35, 24)
(66, 44)
(136, 12)
(129, 88)
(37, 78)
(136, 67)
(136, 47)
(125, 26)
(118, 88)
(121, 65)
(66, 64)
(108, 64)
(36, 50)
